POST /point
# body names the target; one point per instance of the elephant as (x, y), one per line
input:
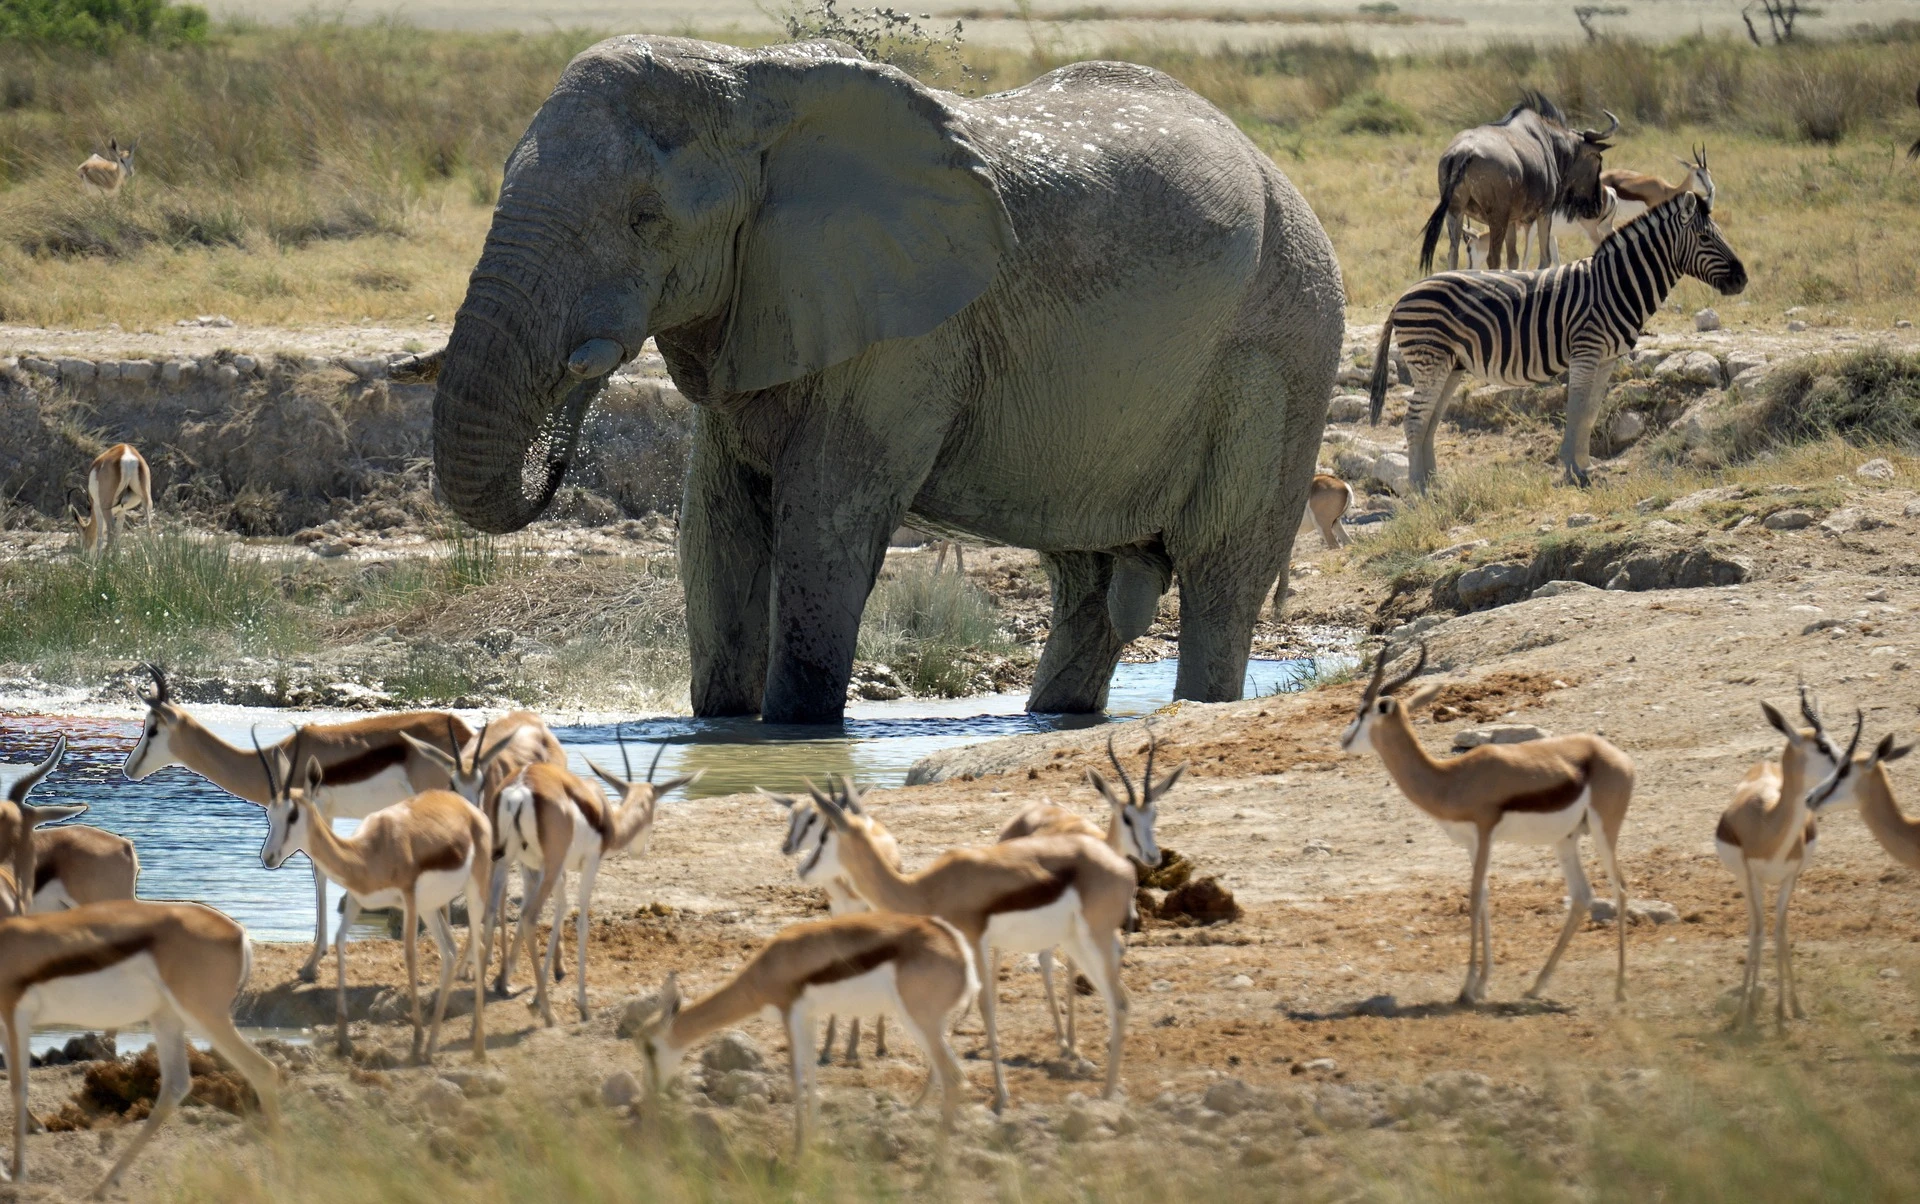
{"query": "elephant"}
(1086, 317)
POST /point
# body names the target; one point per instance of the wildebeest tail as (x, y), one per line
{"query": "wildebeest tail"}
(1382, 364)
(1452, 170)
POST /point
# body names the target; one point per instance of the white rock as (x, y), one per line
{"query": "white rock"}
(1499, 733)
(174, 371)
(1354, 461)
(1877, 469)
(1902, 324)
(440, 1099)
(1752, 378)
(1796, 326)
(74, 370)
(1555, 589)
(1691, 368)
(1348, 407)
(1912, 509)
(1847, 519)
(620, 1089)
(245, 364)
(1626, 427)
(1581, 520)
(734, 1050)
(34, 363)
(1706, 319)
(1392, 470)
(227, 374)
(366, 367)
(1741, 360)
(1695, 423)
(107, 370)
(1787, 520)
(1239, 982)
(138, 370)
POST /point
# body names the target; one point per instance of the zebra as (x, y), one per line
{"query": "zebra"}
(1525, 328)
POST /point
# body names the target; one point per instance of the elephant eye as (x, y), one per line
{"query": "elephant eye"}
(646, 212)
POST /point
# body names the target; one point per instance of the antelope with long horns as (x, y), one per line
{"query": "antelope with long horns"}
(366, 764)
(807, 844)
(418, 855)
(109, 172)
(1543, 792)
(1129, 832)
(1864, 783)
(175, 967)
(1638, 192)
(557, 822)
(1766, 837)
(918, 969)
(1021, 896)
(118, 483)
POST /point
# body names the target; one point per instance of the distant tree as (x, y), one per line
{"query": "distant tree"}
(1780, 14)
(1585, 13)
(98, 24)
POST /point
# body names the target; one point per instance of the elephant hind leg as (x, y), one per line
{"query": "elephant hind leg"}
(1083, 644)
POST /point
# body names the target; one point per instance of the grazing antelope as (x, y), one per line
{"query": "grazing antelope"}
(118, 483)
(418, 854)
(1023, 896)
(1639, 193)
(1765, 838)
(1129, 832)
(919, 969)
(106, 173)
(557, 822)
(807, 843)
(366, 762)
(1543, 792)
(1328, 500)
(173, 966)
(1863, 783)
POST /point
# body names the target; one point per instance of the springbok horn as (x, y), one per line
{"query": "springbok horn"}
(1410, 674)
(658, 750)
(1146, 775)
(1117, 768)
(1859, 721)
(1379, 674)
(159, 694)
(595, 357)
(273, 788)
(1811, 710)
(18, 791)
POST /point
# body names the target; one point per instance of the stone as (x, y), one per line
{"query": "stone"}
(1499, 733)
(105, 370)
(1319, 1066)
(1787, 520)
(1581, 520)
(1457, 550)
(1694, 424)
(1902, 324)
(1644, 360)
(1239, 982)
(1692, 368)
(476, 1081)
(440, 1099)
(1794, 311)
(313, 363)
(1912, 509)
(174, 371)
(245, 364)
(1706, 319)
(1682, 568)
(1704, 497)
(733, 1050)
(1418, 627)
(736, 1085)
(1556, 589)
(1348, 407)
(1661, 526)
(1231, 1097)
(621, 1088)
(366, 367)
(1742, 360)
(73, 370)
(34, 363)
(1626, 427)
(1354, 462)
(1393, 471)
(1877, 469)
(1847, 519)
(227, 374)
(1796, 326)
(138, 371)
(1651, 911)
(1490, 584)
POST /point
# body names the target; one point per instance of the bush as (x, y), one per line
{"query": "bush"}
(1371, 112)
(931, 627)
(1868, 397)
(99, 24)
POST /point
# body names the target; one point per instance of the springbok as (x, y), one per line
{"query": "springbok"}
(368, 765)
(1765, 838)
(118, 483)
(1129, 832)
(418, 855)
(58, 868)
(1863, 783)
(1638, 193)
(1597, 228)
(1543, 792)
(1328, 500)
(919, 969)
(557, 822)
(806, 842)
(1022, 896)
(173, 966)
(106, 173)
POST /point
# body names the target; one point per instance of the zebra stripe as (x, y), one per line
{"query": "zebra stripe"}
(1526, 328)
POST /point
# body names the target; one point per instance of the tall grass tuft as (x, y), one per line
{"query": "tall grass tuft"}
(163, 596)
(931, 627)
(1868, 397)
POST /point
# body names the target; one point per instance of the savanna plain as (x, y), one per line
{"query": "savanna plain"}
(313, 194)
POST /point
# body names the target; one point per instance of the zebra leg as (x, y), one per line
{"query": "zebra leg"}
(1432, 390)
(1586, 389)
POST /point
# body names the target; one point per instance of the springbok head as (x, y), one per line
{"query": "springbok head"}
(1137, 813)
(1378, 702)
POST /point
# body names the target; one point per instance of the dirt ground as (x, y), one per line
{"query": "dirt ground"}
(1332, 996)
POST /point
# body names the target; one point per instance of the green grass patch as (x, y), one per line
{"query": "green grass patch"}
(933, 628)
(1869, 398)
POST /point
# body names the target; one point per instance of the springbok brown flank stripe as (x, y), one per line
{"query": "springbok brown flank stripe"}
(368, 764)
(841, 969)
(1034, 897)
(87, 961)
(1555, 798)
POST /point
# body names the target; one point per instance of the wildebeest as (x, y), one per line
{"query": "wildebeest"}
(1521, 169)
(1913, 152)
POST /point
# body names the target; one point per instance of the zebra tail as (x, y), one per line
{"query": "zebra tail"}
(1382, 364)
(1453, 171)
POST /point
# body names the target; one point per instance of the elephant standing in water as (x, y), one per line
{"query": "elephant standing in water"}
(1086, 317)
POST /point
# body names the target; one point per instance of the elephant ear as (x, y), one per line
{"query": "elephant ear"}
(877, 219)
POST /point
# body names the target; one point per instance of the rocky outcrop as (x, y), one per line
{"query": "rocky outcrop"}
(1625, 563)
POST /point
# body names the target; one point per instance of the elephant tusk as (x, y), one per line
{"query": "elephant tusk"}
(595, 357)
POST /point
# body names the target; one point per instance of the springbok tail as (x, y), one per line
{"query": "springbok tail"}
(1382, 364)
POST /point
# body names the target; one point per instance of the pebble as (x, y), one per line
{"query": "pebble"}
(620, 1089)
(1499, 733)
(1878, 595)
(1706, 319)
(1319, 1066)
(1239, 982)
(1787, 520)
(734, 1050)
(1581, 520)
(441, 1099)
(1796, 326)
(1877, 469)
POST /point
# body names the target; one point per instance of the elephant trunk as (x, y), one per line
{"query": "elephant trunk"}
(513, 390)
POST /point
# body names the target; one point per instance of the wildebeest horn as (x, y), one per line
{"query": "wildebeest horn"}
(1603, 135)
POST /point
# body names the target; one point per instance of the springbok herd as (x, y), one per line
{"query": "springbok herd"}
(447, 811)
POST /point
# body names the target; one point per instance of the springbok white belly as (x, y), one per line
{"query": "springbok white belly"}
(1037, 930)
(1526, 827)
(52, 897)
(877, 992)
(357, 800)
(1771, 870)
(119, 996)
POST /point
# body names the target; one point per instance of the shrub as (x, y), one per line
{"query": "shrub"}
(99, 24)
(1867, 397)
(931, 627)
(1370, 112)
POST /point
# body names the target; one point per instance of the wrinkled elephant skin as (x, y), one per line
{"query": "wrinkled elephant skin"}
(1086, 317)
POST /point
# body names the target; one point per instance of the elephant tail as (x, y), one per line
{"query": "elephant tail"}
(1382, 364)
(1452, 171)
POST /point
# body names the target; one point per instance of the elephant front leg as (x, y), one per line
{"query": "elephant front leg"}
(726, 566)
(1083, 645)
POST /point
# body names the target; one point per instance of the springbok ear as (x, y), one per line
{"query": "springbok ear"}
(439, 756)
(1778, 721)
(784, 802)
(877, 219)
(1422, 696)
(670, 994)
(836, 816)
(1894, 754)
(1099, 782)
(51, 813)
(672, 784)
(313, 776)
(1167, 783)
(619, 785)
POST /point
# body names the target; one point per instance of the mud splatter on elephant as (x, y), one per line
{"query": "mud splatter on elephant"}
(1086, 317)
